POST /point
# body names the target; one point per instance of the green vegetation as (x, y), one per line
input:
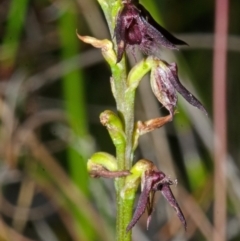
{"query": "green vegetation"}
(53, 89)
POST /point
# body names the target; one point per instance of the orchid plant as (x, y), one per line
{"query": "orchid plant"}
(131, 25)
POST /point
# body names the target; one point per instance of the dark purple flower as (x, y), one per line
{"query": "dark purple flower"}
(151, 182)
(165, 85)
(135, 26)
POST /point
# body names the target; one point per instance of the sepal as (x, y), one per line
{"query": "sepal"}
(105, 45)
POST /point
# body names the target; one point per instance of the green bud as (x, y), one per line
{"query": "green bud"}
(102, 164)
(114, 126)
(102, 159)
(138, 72)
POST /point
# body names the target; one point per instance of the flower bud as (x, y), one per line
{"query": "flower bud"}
(114, 127)
(102, 164)
(138, 72)
(104, 159)
(162, 86)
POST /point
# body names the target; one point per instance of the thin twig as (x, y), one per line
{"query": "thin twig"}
(219, 99)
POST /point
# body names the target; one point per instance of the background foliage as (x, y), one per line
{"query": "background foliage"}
(53, 88)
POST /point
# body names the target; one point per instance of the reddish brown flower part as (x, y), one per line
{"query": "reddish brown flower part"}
(151, 182)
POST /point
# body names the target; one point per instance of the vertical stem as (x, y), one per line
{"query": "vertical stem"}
(220, 126)
(125, 108)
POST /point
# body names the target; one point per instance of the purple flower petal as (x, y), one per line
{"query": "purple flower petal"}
(142, 204)
(182, 90)
(167, 193)
(154, 35)
(168, 36)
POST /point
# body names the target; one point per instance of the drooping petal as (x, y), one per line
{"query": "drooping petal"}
(168, 195)
(182, 90)
(141, 205)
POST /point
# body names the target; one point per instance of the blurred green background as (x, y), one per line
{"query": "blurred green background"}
(53, 88)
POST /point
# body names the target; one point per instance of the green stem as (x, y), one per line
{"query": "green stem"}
(125, 108)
